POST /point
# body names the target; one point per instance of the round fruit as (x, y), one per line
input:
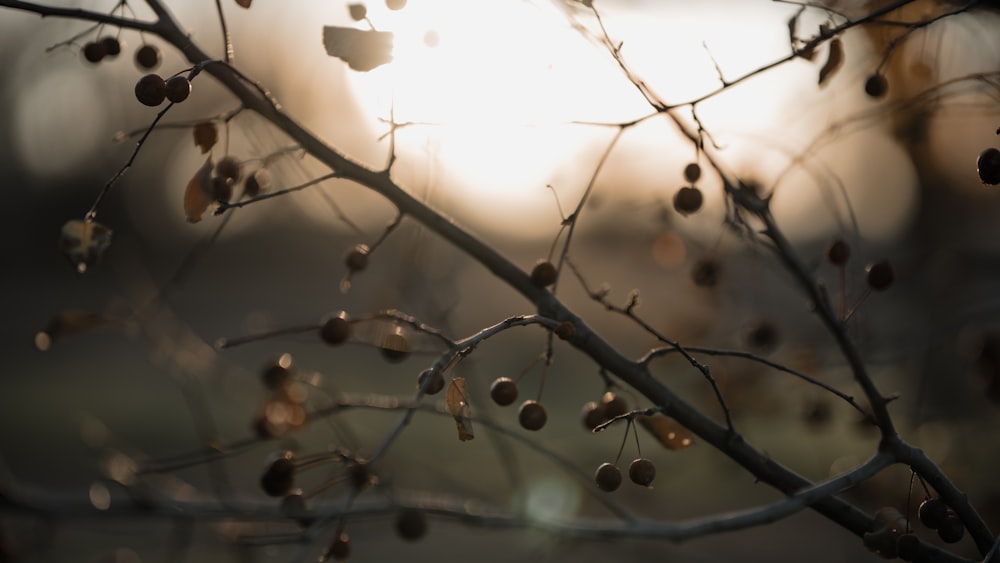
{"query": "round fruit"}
(222, 189)
(358, 12)
(932, 512)
(692, 172)
(228, 168)
(593, 415)
(543, 274)
(151, 90)
(395, 347)
(357, 258)
(951, 529)
(94, 51)
(178, 89)
(988, 166)
(436, 384)
(532, 415)
(614, 405)
(876, 86)
(359, 473)
(838, 252)
(112, 47)
(705, 273)
(908, 547)
(340, 548)
(608, 477)
(294, 506)
(336, 329)
(411, 524)
(503, 391)
(687, 200)
(255, 183)
(762, 337)
(395, 4)
(642, 471)
(880, 275)
(277, 376)
(277, 481)
(147, 57)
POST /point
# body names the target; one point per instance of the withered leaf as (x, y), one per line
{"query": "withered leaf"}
(198, 195)
(244, 3)
(458, 406)
(361, 49)
(667, 431)
(834, 60)
(206, 134)
(84, 241)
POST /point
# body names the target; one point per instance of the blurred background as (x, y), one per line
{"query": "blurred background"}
(506, 112)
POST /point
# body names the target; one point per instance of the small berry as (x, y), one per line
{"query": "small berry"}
(593, 414)
(360, 474)
(147, 57)
(687, 200)
(951, 529)
(838, 252)
(395, 347)
(762, 337)
(277, 376)
(642, 471)
(608, 477)
(692, 172)
(988, 166)
(705, 273)
(340, 548)
(411, 524)
(358, 12)
(279, 478)
(908, 547)
(395, 4)
(543, 274)
(94, 52)
(436, 384)
(879, 275)
(336, 329)
(294, 506)
(222, 189)
(112, 46)
(228, 168)
(151, 90)
(614, 405)
(256, 183)
(881, 542)
(932, 512)
(178, 88)
(532, 415)
(876, 86)
(503, 391)
(357, 258)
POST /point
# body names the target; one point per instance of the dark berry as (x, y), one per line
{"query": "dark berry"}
(932, 512)
(762, 337)
(255, 183)
(151, 90)
(692, 172)
(532, 415)
(340, 548)
(178, 88)
(436, 384)
(357, 259)
(876, 86)
(395, 347)
(222, 189)
(838, 252)
(880, 275)
(593, 415)
(543, 274)
(360, 474)
(357, 12)
(687, 200)
(277, 376)
(147, 57)
(614, 405)
(642, 471)
(565, 330)
(112, 46)
(705, 273)
(229, 168)
(503, 391)
(988, 166)
(608, 477)
(951, 529)
(336, 329)
(94, 51)
(279, 478)
(411, 524)
(908, 547)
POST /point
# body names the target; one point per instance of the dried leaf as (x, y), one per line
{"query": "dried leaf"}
(67, 323)
(244, 3)
(206, 134)
(834, 60)
(84, 242)
(198, 195)
(361, 49)
(458, 406)
(667, 431)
